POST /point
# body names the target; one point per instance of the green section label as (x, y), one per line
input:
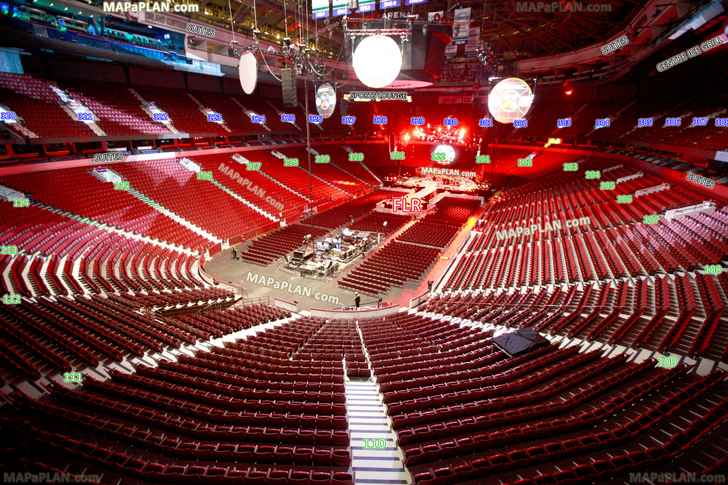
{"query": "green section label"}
(322, 159)
(525, 162)
(9, 250)
(290, 162)
(571, 167)
(356, 157)
(21, 203)
(253, 166)
(11, 299)
(624, 199)
(377, 443)
(438, 157)
(651, 218)
(482, 159)
(592, 174)
(204, 175)
(123, 185)
(72, 377)
(396, 155)
(667, 361)
(713, 269)
(608, 185)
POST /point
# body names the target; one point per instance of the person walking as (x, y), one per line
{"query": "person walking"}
(357, 299)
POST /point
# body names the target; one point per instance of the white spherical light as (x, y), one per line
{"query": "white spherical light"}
(377, 61)
(248, 72)
(444, 154)
(510, 100)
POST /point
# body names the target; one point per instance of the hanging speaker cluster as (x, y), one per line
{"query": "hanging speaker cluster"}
(288, 87)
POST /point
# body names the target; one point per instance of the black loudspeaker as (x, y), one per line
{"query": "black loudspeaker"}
(288, 87)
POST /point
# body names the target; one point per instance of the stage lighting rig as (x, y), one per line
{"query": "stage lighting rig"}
(377, 58)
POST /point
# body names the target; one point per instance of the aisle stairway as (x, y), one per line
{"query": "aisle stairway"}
(370, 428)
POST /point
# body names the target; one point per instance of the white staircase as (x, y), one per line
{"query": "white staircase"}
(375, 457)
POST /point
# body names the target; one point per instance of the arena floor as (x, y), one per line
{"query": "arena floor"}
(275, 281)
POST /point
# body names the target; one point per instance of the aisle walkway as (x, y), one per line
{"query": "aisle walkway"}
(375, 456)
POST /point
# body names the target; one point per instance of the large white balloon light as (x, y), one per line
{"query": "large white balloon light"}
(248, 72)
(510, 100)
(444, 154)
(377, 61)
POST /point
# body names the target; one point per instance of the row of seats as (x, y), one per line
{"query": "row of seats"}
(212, 417)
(683, 313)
(272, 246)
(482, 416)
(398, 261)
(56, 335)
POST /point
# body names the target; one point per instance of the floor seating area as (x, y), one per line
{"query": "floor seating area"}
(257, 411)
(348, 211)
(406, 258)
(392, 265)
(374, 222)
(270, 247)
(438, 228)
(464, 412)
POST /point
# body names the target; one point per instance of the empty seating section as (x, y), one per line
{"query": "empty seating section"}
(252, 412)
(183, 112)
(270, 247)
(252, 185)
(178, 189)
(54, 336)
(438, 228)
(177, 298)
(398, 262)
(684, 314)
(393, 265)
(374, 222)
(99, 201)
(297, 178)
(569, 231)
(38, 108)
(465, 412)
(235, 118)
(348, 211)
(48, 245)
(118, 111)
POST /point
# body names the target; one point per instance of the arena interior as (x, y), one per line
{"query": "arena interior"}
(338, 242)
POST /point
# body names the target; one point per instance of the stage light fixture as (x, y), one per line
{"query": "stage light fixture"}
(248, 72)
(377, 61)
(510, 100)
(325, 100)
(447, 154)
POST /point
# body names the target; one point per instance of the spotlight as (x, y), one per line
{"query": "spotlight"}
(510, 99)
(377, 61)
(248, 72)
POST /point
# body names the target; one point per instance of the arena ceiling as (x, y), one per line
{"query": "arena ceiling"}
(508, 26)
